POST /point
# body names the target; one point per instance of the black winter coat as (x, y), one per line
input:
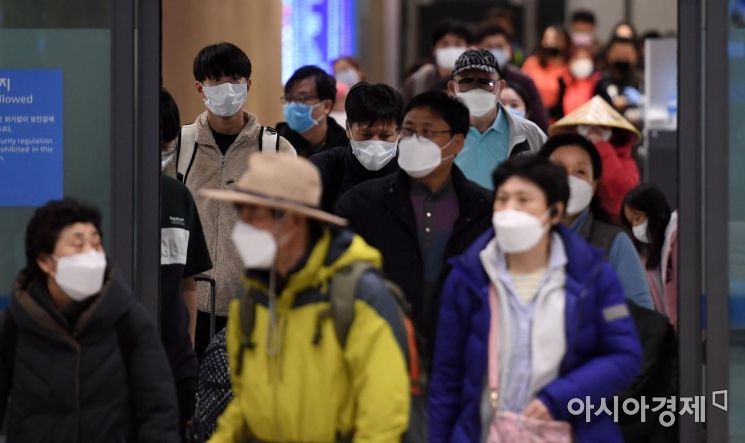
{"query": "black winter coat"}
(340, 171)
(380, 211)
(100, 375)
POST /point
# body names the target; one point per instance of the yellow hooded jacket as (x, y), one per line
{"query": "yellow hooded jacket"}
(320, 392)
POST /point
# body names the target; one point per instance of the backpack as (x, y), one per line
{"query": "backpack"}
(214, 391)
(187, 147)
(341, 293)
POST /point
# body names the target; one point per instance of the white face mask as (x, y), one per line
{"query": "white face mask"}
(478, 101)
(226, 99)
(419, 157)
(446, 57)
(81, 276)
(502, 55)
(257, 247)
(640, 231)
(374, 155)
(349, 77)
(580, 195)
(605, 133)
(581, 68)
(517, 231)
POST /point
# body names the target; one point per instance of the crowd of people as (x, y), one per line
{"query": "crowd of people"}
(413, 264)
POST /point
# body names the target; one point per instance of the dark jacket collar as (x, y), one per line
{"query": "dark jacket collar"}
(335, 136)
(31, 307)
(471, 197)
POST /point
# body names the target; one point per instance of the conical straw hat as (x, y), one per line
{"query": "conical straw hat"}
(596, 112)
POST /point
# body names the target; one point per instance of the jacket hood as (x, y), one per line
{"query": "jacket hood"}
(111, 303)
(336, 249)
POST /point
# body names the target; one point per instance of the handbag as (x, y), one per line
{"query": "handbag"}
(507, 426)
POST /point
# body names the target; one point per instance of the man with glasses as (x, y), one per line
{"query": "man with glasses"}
(424, 214)
(309, 97)
(495, 133)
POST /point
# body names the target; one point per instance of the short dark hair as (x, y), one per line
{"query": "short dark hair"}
(45, 226)
(490, 30)
(450, 109)
(584, 16)
(367, 103)
(219, 60)
(650, 200)
(573, 139)
(325, 84)
(551, 178)
(170, 121)
(450, 27)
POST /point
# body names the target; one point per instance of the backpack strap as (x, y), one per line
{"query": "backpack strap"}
(342, 293)
(268, 140)
(247, 316)
(187, 149)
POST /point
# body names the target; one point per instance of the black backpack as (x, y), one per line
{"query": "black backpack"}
(214, 390)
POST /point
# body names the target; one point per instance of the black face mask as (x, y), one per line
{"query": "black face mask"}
(623, 68)
(551, 51)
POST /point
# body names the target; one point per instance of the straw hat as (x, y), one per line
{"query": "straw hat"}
(596, 112)
(279, 181)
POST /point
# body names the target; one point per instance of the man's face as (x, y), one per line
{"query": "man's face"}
(498, 41)
(224, 79)
(304, 91)
(274, 221)
(477, 79)
(582, 27)
(423, 123)
(383, 131)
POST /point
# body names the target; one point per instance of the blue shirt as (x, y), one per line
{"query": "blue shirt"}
(624, 259)
(482, 153)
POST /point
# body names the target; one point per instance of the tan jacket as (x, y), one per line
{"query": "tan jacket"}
(214, 171)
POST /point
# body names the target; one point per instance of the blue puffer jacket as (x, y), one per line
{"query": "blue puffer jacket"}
(602, 357)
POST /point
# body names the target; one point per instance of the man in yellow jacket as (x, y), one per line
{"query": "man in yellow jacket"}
(295, 376)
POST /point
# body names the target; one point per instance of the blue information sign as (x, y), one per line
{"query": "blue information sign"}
(30, 136)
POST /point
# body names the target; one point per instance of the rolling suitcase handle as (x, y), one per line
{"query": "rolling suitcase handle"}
(211, 280)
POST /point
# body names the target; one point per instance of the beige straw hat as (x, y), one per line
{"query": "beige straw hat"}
(596, 112)
(282, 182)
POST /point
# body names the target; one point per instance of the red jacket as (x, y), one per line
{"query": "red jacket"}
(620, 175)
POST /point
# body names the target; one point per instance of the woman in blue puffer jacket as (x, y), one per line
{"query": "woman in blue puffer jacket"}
(565, 331)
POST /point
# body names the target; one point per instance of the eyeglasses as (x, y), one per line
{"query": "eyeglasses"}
(467, 83)
(426, 133)
(304, 99)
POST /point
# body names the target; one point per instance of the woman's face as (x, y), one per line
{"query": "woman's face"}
(577, 162)
(634, 216)
(77, 238)
(512, 99)
(520, 194)
(553, 39)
